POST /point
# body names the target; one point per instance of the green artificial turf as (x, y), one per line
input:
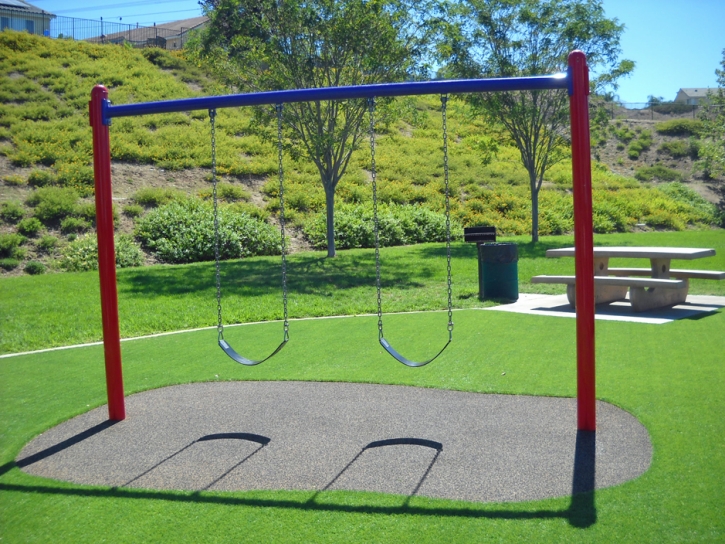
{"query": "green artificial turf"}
(669, 376)
(63, 309)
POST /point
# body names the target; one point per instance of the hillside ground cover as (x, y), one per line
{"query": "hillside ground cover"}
(45, 137)
(668, 376)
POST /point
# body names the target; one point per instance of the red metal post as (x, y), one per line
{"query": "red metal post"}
(583, 240)
(107, 255)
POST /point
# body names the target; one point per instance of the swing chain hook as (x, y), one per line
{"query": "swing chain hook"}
(283, 245)
(376, 225)
(444, 104)
(220, 326)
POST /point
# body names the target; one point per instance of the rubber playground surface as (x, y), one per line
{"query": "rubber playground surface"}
(321, 436)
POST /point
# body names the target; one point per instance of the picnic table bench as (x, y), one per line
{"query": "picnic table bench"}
(649, 288)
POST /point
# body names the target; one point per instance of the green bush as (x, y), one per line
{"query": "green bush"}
(34, 268)
(648, 173)
(9, 263)
(41, 178)
(398, 225)
(133, 210)
(679, 149)
(52, 204)
(227, 192)
(183, 231)
(680, 127)
(624, 134)
(74, 224)
(699, 210)
(642, 143)
(30, 226)
(11, 211)
(14, 180)
(10, 245)
(153, 197)
(47, 243)
(82, 253)
(76, 175)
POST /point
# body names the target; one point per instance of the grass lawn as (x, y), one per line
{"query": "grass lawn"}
(63, 309)
(670, 377)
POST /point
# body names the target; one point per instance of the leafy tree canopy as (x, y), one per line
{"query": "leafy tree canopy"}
(264, 45)
(513, 38)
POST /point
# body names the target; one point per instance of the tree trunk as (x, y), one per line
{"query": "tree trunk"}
(330, 207)
(534, 209)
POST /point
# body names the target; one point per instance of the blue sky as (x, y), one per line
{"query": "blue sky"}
(675, 43)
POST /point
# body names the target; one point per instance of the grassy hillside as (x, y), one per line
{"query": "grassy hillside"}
(45, 142)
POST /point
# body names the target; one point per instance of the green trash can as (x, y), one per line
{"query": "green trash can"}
(498, 271)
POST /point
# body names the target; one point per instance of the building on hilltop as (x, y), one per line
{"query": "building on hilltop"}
(21, 16)
(694, 97)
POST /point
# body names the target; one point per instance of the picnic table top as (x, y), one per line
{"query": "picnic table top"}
(639, 252)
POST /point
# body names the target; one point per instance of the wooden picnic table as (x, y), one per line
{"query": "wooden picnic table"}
(649, 288)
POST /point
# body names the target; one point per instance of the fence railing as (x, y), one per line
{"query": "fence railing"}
(654, 111)
(71, 28)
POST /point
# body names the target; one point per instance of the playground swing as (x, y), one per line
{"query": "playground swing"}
(381, 337)
(228, 349)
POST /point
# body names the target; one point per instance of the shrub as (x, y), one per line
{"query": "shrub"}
(11, 211)
(77, 175)
(152, 197)
(82, 253)
(680, 127)
(74, 224)
(47, 243)
(227, 192)
(52, 204)
(10, 245)
(133, 210)
(40, 178)
(700, 210)
(679, 149)
(623, 134)
(14, 179)
(643, 142)
(183, 231)
(648, 173)
(34, 268)
(9, 263)
(30, 226)
(398, 225)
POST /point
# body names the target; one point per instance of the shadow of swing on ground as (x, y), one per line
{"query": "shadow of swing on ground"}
(581, 512)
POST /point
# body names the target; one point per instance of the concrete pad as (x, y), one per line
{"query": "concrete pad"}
(558, 306)
(225, 436)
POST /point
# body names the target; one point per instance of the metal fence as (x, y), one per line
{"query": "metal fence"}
(71, 28)
(658, 111)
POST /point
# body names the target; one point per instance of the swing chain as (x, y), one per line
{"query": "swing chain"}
(444, 104)
(220, 326)
(374, 175)
(279, 108)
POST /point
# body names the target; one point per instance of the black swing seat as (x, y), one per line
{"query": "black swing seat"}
(230, 351)
(407, 362)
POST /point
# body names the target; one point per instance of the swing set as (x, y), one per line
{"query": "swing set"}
(575, 80)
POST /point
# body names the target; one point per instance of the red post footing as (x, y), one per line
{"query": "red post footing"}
(107, 255)
(583, 240)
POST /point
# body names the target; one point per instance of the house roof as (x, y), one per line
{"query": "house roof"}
(186, 24)
(21, 6)
(143, 33)
(700, 92)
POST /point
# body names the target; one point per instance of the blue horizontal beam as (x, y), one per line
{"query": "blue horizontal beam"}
(556, 81)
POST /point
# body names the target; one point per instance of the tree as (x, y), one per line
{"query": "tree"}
(712, 149)
(264, 45)
(512, 38)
